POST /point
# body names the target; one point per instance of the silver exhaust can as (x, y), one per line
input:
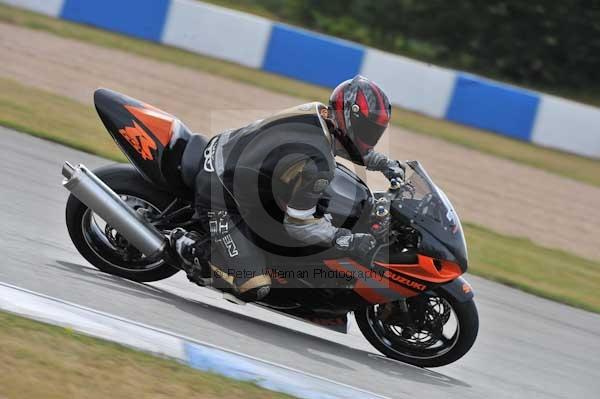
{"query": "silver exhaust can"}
(100, 198)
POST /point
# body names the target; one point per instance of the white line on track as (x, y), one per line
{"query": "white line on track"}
(151, 339)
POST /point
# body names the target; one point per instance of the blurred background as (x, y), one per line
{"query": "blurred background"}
(539, 44)
(499, 100)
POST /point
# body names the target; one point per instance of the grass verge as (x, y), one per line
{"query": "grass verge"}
(55, 118)
(43, 361)
(513, 261)
(545, 272)
(579, 168)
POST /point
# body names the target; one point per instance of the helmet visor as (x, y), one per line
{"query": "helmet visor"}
(366, 133)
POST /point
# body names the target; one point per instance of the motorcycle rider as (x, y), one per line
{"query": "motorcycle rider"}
(276, 170)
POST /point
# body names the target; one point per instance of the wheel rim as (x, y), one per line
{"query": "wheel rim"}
(112, 248)
(434, 337)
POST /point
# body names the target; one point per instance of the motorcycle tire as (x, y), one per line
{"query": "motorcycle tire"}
(467, 318)
(125, 180)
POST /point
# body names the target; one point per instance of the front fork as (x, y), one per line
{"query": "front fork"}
(395, 312)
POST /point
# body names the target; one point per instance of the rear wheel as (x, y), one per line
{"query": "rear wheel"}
(102, 245)
(439, 330)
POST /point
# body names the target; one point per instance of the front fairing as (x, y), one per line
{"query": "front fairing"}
(426, 208)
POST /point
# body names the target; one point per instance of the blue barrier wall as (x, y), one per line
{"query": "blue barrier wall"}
(140, 18)
(324, 60)
(491, 106)
(310, 57)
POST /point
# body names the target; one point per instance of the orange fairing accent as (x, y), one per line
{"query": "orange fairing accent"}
(405, 292)
(158, 122)
(466, 288)
(370, 294)
(360, 287)
(426, 270)
(139, 140)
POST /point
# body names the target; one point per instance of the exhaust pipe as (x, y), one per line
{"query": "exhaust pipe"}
(97, 196)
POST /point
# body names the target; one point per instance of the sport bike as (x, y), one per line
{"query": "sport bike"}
(407, 297)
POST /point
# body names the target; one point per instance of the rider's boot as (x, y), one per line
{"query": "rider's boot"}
(193, 251)
(241, 291)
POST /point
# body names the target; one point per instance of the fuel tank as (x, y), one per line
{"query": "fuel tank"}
(346, 198)
(153, 140)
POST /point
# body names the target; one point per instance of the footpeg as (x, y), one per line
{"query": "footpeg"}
(200, 274)
(201, 281)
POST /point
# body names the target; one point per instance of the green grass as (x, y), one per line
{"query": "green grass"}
(579, 168)
(520, 263)
(55, 118)
(513, 261)
(583, 169)
(43, 361)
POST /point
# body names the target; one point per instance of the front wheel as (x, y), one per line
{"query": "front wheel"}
(101, 244)
(434, 330)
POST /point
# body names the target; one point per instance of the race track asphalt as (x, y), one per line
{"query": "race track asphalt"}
(527, 348)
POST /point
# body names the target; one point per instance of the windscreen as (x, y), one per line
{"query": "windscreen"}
(428, 209)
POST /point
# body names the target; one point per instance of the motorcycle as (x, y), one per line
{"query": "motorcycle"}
(408, 298)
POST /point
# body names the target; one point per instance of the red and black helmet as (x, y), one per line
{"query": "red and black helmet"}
(361, 112)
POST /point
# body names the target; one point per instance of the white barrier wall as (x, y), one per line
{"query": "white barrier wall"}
(411, 84)
(568, 126)
(217, 32)
(326, 61)
(48, 7)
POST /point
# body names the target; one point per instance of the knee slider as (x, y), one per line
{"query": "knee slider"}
(255, 289)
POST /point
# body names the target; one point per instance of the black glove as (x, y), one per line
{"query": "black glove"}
(395, 170)
(357, 245)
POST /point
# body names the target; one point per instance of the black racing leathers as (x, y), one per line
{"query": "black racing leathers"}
(250, 176)
(270, 175)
